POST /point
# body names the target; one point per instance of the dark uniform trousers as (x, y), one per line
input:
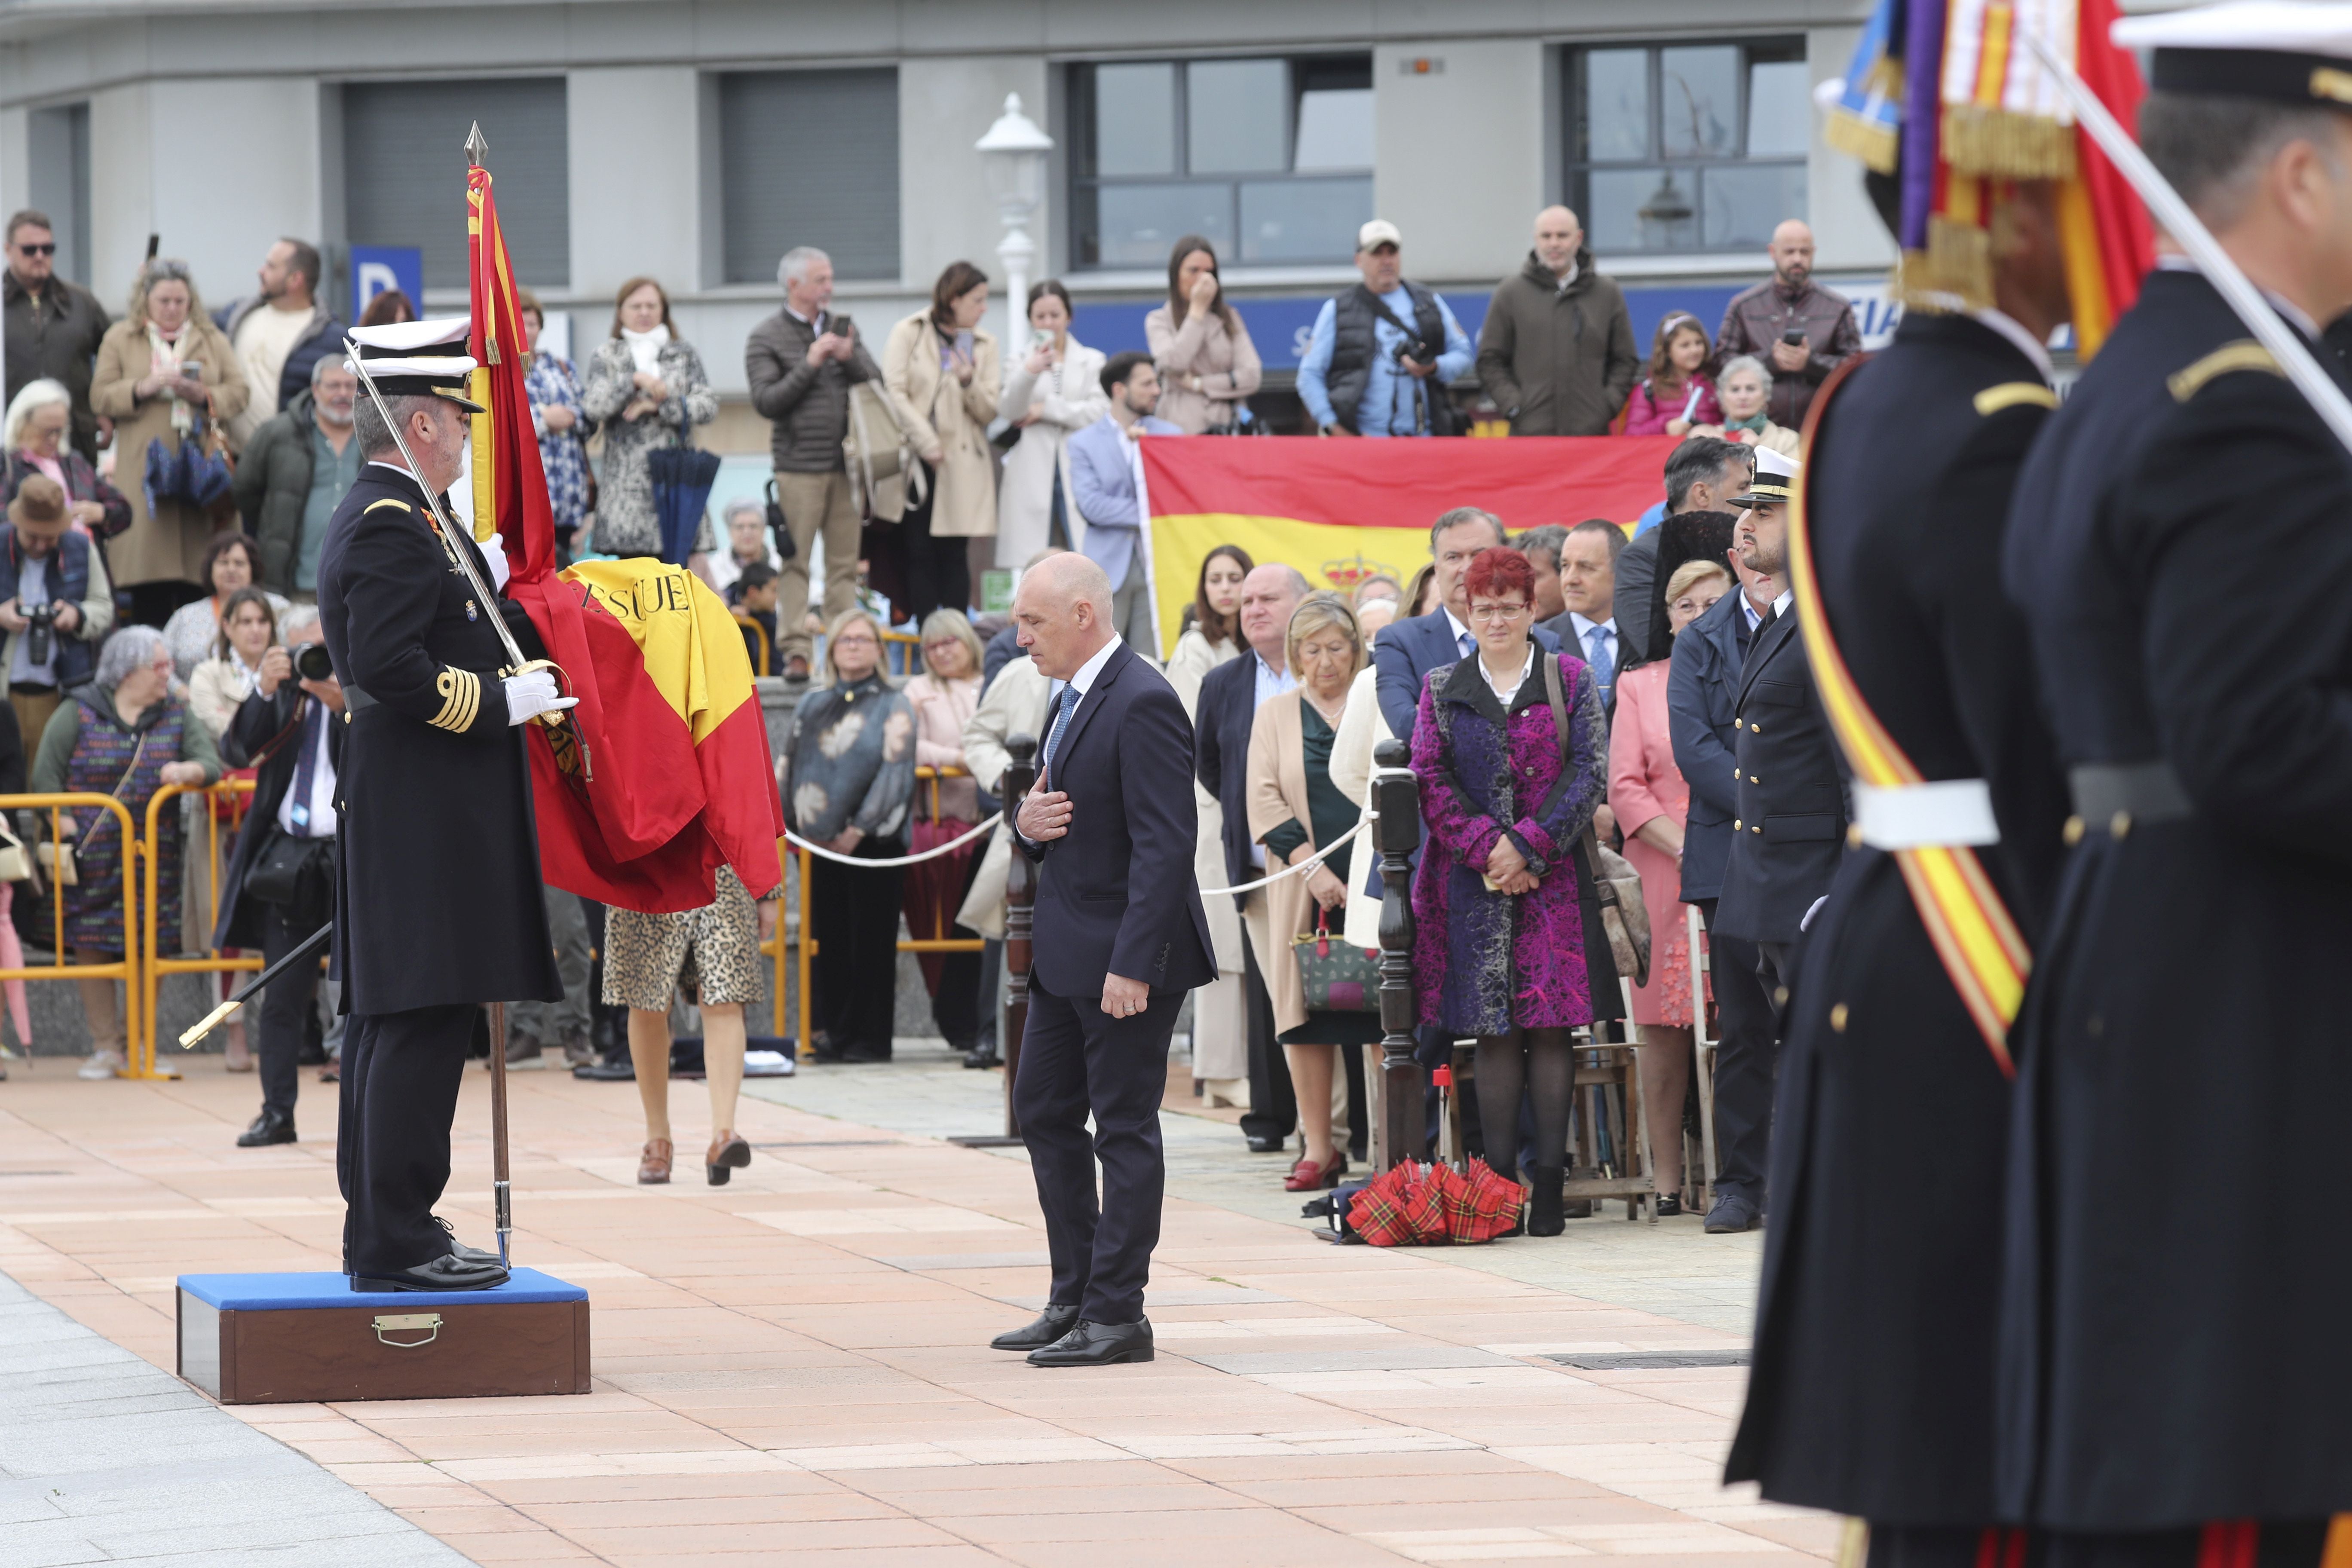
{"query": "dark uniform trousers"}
(1076, 1056)
(288, 1019)
(1747, 1061)
(401, 1074)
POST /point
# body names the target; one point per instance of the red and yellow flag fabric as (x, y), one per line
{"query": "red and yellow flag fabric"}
(677, 781)
(1341, 510)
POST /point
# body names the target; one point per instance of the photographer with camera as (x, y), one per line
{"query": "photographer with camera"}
(61, 608)
(281, 884)
(1382, 355)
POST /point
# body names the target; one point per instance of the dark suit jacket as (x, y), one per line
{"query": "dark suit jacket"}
(1702, 685)
(1221, 739)
(1789, 826)
(1408, 649)
(1115, 893)
(258, 720)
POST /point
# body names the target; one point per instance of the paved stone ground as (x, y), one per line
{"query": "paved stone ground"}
(105, 1458)
(791, 1368)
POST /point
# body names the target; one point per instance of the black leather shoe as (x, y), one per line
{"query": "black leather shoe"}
(1543, 1215)
(1097, 1344)
(446, 1273)
(1266, 1145)
(1732, 1214)
(470, 1253)
(607, 1071)
(983, 1054)
(269, 1127)
(1051, 1325)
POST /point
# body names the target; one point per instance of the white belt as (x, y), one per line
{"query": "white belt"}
(1944, 813)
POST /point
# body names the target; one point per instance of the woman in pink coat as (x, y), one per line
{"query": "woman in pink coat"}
(1650, 800)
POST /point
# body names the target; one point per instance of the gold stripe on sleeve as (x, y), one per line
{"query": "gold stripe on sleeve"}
(461, 699)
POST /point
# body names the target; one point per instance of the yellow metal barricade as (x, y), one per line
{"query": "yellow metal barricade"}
(158, 965)
(923, 775)
(126, 968)
(760, 641)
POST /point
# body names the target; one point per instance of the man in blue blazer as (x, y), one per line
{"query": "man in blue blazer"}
(1702, 689)
(1119, 939)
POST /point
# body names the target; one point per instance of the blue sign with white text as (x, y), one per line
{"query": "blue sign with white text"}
(379, 268)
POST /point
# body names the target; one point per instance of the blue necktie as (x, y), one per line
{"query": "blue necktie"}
(306, 771)
(1604, 668)
(1469, 644)
(1065, 705)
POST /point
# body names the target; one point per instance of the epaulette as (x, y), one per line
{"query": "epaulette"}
(2243, 354)
(388, 500)
(2010, 394)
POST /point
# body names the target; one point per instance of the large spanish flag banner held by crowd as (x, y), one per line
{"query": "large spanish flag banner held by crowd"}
(1341, 510)
(677, 781)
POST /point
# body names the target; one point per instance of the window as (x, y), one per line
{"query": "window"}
(1687, 146)
(58, 148)
(809, 157)
(1270, 159)
(404, 171)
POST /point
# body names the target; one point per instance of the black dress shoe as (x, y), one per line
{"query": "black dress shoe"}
(1051, 1325)
(983, 1054)
(1265, 1145)
(446, 1273)
(608, 1070)
(470, 1253)
(1097, 1344)
(1732, 1214)
(269, 1127)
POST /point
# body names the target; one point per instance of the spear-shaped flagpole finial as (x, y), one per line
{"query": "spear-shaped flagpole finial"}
(476, 145)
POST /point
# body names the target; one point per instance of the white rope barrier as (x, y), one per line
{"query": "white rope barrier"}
(1294, 869)
(950, 848)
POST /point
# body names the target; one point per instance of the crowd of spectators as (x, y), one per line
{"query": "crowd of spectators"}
(1561, 689)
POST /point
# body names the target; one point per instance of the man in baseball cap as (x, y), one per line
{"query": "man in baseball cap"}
(1383, 354)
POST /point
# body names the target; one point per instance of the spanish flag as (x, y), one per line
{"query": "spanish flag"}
(1341, 510)
(678, 780)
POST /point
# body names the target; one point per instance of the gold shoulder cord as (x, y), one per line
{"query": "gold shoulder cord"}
(2010, 394)
(2243, 354)
(461, 699)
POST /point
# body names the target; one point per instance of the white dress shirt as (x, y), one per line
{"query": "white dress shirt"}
(1584, 630)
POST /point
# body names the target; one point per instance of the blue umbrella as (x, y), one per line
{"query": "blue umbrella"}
(682, 476)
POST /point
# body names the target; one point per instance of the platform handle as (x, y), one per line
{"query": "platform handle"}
(403, 1322)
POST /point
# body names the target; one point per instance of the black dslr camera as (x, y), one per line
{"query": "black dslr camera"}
(311, 663)
(40, 633)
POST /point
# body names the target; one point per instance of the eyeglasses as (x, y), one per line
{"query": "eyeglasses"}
(48, 249)
(1497, 613)
(848, 638)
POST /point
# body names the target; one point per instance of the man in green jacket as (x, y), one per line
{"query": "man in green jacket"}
(1557, 353)
(293, 475)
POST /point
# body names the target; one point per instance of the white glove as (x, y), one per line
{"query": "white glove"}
(531, 694)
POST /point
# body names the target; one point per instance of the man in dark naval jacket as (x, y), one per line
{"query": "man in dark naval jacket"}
(1788, 798)
(2172, 1355)
(438, 908)
(1873, 1388)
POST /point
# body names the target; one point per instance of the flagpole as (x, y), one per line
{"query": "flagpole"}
(2174, 216)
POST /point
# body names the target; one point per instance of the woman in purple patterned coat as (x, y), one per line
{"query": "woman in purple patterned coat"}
(1499, 950)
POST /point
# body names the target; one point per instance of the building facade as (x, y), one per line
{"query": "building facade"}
(694, 140)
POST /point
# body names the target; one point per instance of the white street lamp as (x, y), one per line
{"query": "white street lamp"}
(1015, 151)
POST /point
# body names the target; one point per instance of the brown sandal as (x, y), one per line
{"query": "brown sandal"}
(652, 1168)
(727, 1154)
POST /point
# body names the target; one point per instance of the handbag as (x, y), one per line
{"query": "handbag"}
(15, 860)
(884, 478)
(1338, 976)
(1615, 884)
(58, 859)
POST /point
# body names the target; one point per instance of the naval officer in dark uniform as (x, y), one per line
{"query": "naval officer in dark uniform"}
(1873, 1389)
(2173, 1355)
(1790, 826)
(438, 900)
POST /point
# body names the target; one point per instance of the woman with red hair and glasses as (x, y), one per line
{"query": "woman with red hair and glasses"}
(1499, 948)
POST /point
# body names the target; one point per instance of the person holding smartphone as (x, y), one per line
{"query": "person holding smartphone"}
(1053, 388)
(1800, 331)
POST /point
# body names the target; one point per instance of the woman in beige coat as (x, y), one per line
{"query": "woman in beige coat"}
(1208, 366)
(1052, 390)
(139, 384)
(1295, 809)
(942, 371)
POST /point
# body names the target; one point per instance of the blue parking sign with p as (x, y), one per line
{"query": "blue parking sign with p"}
(379, 268)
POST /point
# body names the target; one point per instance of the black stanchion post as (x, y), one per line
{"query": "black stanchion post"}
(1020, 889)
(1396, 795)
